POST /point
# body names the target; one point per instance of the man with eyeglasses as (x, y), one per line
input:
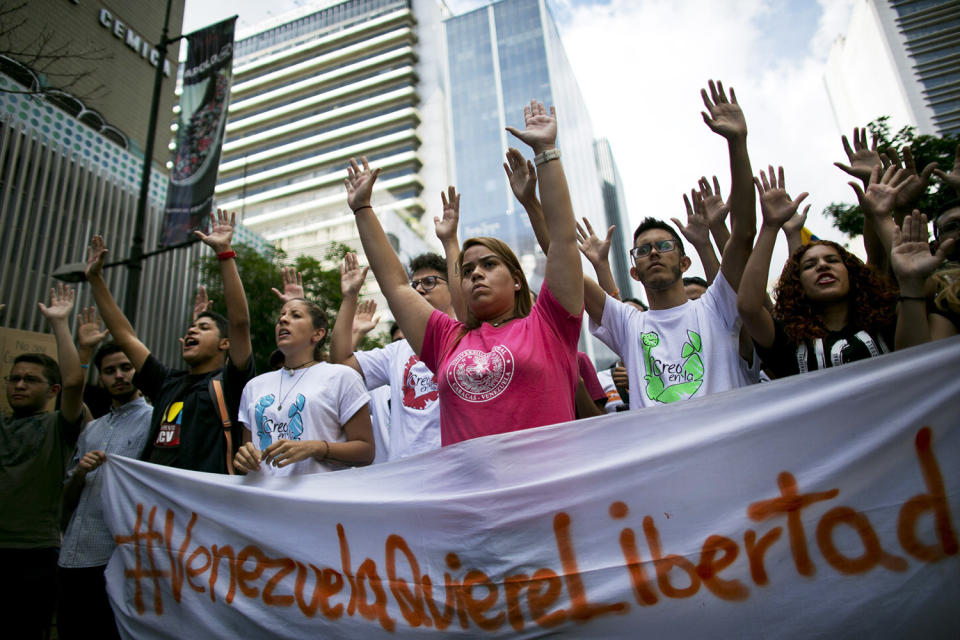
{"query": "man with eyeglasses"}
(414, 407)
(35, 449)
(683, 348)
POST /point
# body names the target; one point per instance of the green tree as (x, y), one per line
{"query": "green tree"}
(926, 149)
(262, 271)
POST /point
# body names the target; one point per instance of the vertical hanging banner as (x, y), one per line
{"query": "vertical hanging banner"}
(824, 505)
(203, 117)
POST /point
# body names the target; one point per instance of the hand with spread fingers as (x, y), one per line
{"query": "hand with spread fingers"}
(221, 231)
(61, 304)
(696, 231)
(359, 183)
(540, 132)
(201, 303)
(776, 207)
(595, 250)
(880, 197)
(723, 114)
(89, 334)
(914, 184)
(910, 257)
(292, 285)
(862, 158)
(96, 253)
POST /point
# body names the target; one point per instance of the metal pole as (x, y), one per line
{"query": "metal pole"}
(135, 261)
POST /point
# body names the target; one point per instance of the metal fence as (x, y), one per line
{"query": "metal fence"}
(51, 202)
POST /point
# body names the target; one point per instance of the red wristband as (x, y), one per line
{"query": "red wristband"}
(226, 255)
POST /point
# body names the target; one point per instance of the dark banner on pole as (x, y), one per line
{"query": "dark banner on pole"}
(203, 118)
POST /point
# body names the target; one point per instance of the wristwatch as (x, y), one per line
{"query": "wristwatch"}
(546, 156)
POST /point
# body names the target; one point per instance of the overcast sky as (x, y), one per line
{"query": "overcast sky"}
(640, 65)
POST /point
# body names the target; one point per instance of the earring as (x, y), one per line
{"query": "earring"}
(516, 285)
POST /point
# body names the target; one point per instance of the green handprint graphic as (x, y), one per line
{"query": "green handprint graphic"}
(692, 366)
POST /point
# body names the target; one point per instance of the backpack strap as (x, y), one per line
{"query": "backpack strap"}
(215, 387)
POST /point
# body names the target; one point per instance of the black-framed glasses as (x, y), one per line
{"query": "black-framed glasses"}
(31, 380)
(428, 282)
(643, 250)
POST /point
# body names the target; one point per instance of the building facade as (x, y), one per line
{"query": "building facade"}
(71, 134)
(318, 86)
(615, 208)
(900, 59)
(500, 57)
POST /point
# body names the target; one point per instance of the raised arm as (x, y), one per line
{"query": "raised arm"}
(411, 310)
(793, 230)
(117, 324)
(776, 208)
(352, 277)
(523, 182)
(697, 233)
(877, 204)
(717, 210)
(725, 118)
(292, 285)
(365, 320)
(564, 274)
(913, 264)
(914, 184)
(71, 375)
(446, 229)
(238, 316)
(597, 253)
(89, 334)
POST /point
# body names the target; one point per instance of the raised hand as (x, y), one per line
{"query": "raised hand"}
(914, 184)
(723, 114)
(597, 251)
(352, 275)
(795, 224)
(359, 183)
(862, 158)
(96, 252)
(715, 209)
(88, 329)
(910, 257)
(201, 303)
(292, 285)
(696, 231)
(366, 319)
(541, 127)
(953, 178)
(221, 231)
(522, 176)
(446, 227)
(776, 207)
(61, 304)
(880, 198)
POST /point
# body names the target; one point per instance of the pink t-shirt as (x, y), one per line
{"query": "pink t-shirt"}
(590, 380)
(498, 379)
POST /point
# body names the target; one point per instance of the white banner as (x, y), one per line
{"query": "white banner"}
(820, 505)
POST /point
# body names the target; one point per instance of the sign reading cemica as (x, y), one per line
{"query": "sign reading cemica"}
(132, 39)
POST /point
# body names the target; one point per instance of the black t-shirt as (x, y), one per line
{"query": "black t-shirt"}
(185, 429)
(786, 358)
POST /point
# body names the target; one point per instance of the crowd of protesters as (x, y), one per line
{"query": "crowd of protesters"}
(472, 346)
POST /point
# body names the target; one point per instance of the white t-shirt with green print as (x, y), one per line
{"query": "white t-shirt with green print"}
(674, 354)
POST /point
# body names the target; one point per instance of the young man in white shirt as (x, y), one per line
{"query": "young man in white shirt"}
(414, 408)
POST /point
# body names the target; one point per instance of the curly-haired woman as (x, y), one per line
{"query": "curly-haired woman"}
(830, 307)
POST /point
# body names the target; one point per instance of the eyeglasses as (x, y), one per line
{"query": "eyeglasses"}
(428, 283)
(643, 250)
(31, 380)
(953, 226)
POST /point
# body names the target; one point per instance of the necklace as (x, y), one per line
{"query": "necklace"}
(305, 366)
(505, 320)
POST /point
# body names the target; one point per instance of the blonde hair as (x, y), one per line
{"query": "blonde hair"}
(948, 290)
(522, 300)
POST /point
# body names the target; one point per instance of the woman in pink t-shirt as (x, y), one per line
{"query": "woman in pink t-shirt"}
(510, 366)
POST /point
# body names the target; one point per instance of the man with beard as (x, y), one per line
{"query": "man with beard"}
(683, 348)
(83, 609)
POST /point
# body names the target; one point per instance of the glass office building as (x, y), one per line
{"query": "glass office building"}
(500, 57)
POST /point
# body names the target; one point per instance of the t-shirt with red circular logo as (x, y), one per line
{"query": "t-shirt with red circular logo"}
(520, 375)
